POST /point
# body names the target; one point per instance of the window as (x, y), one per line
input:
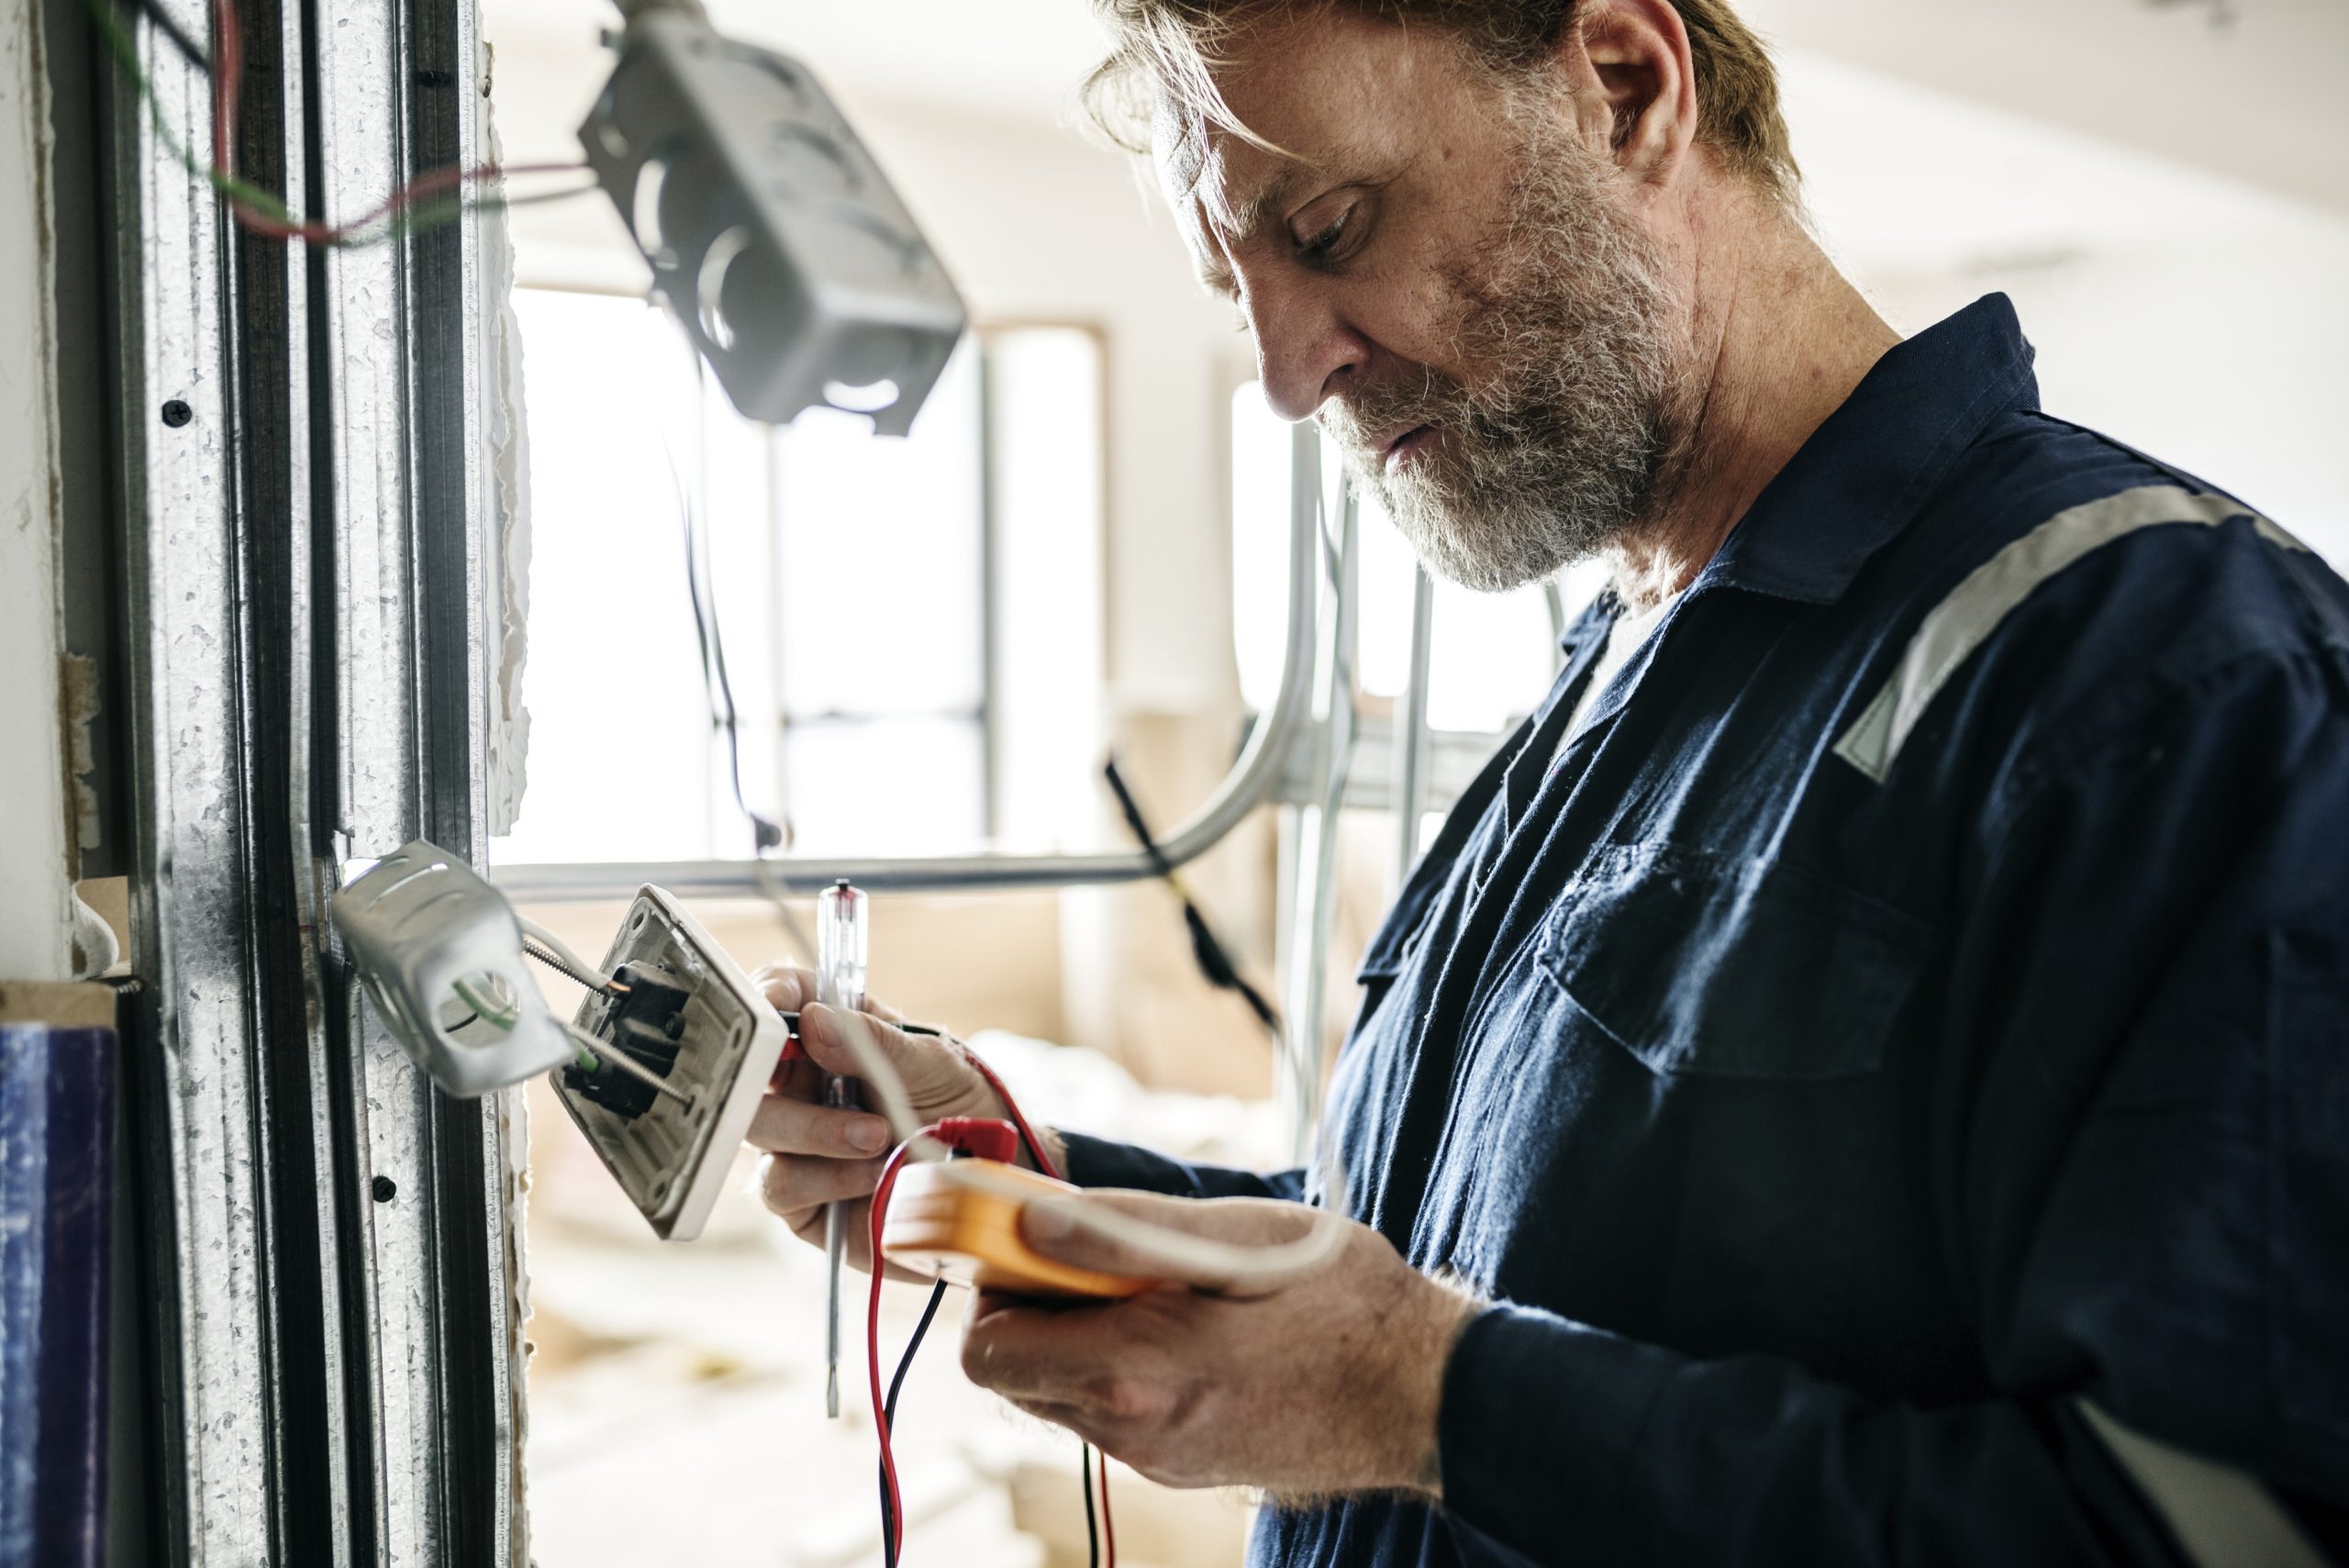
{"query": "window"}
(871, 593)
(1493, 656)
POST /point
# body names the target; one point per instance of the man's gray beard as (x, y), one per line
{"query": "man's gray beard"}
(1568, 438)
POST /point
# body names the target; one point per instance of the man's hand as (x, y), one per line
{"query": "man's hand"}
(1326, 1383)
(817, 1153)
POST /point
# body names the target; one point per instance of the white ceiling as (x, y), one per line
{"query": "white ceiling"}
(2250, 89)
(1016, 57)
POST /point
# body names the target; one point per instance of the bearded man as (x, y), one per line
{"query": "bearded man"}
(1864, 1075)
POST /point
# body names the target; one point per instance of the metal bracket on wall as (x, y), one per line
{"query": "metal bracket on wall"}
(304, 491)
(1309, 829)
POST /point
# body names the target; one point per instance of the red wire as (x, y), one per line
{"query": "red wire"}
(1044, 1164)
(1109, 1529)
(873, 1351)
(1011, 1109)
(881, 1190)
(227, 85)
(227, 80)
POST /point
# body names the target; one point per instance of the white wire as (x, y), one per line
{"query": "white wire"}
(606, 1051)
(1212, 1264)
(1222, 1262)
(562, 950)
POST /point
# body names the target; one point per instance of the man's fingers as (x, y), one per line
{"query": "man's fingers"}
(1109, 1232)
(916, 1060)
(1032, 1355)
(783, 1125)
(787, 989)
(791, 1184)
(798, 1078)
(1075, 1420)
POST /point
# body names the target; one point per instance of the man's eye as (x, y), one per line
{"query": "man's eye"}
(1320, 245)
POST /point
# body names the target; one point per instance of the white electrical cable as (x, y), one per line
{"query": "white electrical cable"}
(1220, 1265)
(1265, 1267)
(562, 950)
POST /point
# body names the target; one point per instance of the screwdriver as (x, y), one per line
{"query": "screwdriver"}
(842, 922)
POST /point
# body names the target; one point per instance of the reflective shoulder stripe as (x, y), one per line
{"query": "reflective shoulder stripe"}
(2221, 1517)
(1964, 621)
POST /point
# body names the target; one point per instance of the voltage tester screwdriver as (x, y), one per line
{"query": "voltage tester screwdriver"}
(841, 927)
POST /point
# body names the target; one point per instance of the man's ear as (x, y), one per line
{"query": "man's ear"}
(1635, 53)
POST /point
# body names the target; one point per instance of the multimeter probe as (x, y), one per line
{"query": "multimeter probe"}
(970, 1236)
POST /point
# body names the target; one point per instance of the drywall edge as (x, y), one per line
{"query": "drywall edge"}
(36, 892)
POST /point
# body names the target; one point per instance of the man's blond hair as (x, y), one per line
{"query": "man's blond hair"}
(1162, 53)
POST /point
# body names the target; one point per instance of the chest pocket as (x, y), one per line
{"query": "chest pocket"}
(1696, 1073)
(1707, 965)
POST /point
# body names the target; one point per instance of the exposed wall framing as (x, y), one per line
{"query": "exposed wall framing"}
(305, 545)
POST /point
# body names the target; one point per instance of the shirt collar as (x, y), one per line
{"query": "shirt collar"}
(1865, 472)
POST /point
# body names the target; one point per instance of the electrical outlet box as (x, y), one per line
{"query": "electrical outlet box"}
(779, 244)
(694, 1019)
(417, 925)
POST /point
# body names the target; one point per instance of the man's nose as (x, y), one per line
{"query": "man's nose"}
(1305, 352)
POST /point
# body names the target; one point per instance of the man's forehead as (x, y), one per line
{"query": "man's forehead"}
(1178, 145)
(1222, 183)
(1234, 138)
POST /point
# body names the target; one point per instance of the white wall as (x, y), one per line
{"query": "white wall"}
(1037, 222)
(35, 896)
(2196, 316)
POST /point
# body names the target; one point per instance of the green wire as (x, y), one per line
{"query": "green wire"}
(503, 1018)
(390, 226)
(507, 1018)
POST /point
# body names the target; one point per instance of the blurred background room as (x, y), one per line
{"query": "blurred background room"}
(933, 645)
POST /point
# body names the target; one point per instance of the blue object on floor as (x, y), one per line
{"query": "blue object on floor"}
(57, 1088)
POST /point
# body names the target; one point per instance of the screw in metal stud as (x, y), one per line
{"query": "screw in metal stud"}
(384, 1189)
(176, 412)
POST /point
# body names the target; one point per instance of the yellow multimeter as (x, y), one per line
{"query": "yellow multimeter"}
(944, 1228)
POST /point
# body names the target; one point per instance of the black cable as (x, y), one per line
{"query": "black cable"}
(177, 36)
(906, 1361)
(766, 835)
(1092, 1529)
(890, 1417)
(539, 198)
(1214, 960)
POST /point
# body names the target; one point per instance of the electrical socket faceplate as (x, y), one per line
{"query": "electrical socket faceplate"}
(673, 1159)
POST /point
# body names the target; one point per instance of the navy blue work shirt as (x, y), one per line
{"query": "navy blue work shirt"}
(1907, 1024)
